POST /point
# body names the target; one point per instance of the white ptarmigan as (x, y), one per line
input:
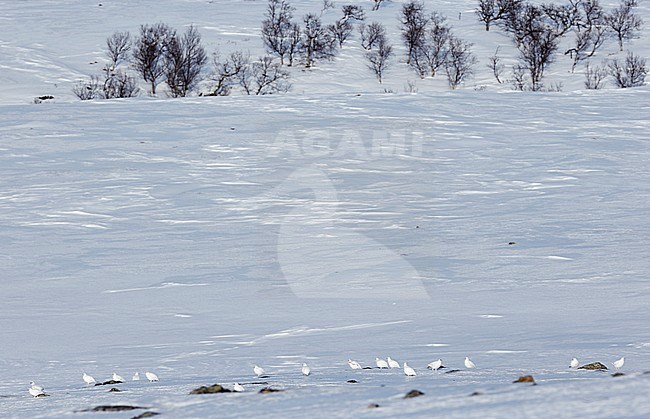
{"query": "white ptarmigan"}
(408, 371)
(392, 363)
(354, 365)
(469, 363)
(258, 370)
(618, 364)
(305, 370)
(117, 377)
(574, 363)
(151, 376)
(35, 386)
(238, 388)
(435, 365)
(88, 379)
(381, 363)
(36, 392)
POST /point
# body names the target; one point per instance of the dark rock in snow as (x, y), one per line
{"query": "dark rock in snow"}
(413, 393)
(593, 366)
(114, 390)
(373, 406)
(352, 381)
(108, 383)
(214, 388)
(113, 408)
(618, 374)
(146, 415)
(476, 393)
(266, 390)
(451, 371)
(511, 243)
(525, 379)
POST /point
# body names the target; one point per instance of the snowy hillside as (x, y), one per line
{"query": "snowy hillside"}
(199, 237)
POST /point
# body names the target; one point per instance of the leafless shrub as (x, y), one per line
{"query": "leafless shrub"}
(595, 76)
(629, 73)
(149, 53)
(227, 72)
(378, 59)
(87, 90)
(623, 22)
(264, 77)
(496, 66)
(371, 34)
(118, 47)
(184, 60)
(460, 62)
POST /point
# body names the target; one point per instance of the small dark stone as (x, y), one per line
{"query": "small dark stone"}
(525, 379)
(511, 243)
(266, 390)
(146, 415)
(114, 390)
(46, 97)
(451, 371)
(352, 381)
(593, 366)
(618, 374)
(113, 408)
(367, 368)
(373, 406)
(214, 388)
(108, 383)
(476, 393)
(413, 393)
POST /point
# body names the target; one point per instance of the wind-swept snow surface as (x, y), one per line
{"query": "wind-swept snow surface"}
(170, 236)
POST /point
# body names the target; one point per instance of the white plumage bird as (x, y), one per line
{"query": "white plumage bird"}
(238, 388)
(469, 363)
(408, 371)
(258, 370)
(305, 370)
(151, 376)
(117, 377)
(136, 377)
(618, 364)
(574, 363)
(381, 363)
(88, 379)
(392, 363)
(435, 365)
(354, 365)
(36, 392)
(35, 386)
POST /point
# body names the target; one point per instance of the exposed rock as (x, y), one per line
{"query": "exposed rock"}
(618, 374)
(214, 388)
(451, 371)
(266, 390)
(367, 368)
(593, 366)
(413, 393)
(108, 383)
(476, 393)
(114, 390)
(511, 243)
(352, 381)
(145, 415)
(113, 408)
(525, 379)
(373, 406)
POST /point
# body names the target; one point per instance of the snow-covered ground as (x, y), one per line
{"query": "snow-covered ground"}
(198, 237)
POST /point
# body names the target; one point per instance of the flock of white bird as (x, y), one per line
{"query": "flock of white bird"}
(388, 363)
(38, 391)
